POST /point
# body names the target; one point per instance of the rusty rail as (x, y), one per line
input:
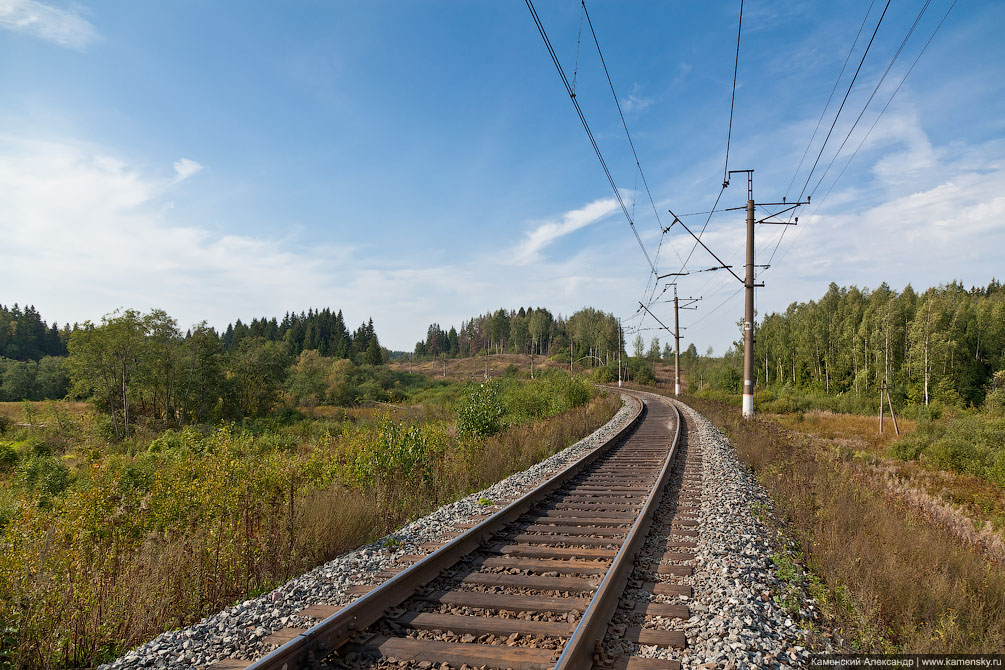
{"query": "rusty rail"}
(319, 641)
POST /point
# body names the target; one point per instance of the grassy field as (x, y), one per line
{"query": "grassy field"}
(899, 567)
(106, 544)
(474, 369)
(38, 411)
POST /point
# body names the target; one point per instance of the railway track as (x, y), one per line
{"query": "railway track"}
(560, 578)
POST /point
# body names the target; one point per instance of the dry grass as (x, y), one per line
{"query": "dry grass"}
(972, 509)
(15, 410)
(79, 607)
(854, 430)
(895, 580)
(474, 368)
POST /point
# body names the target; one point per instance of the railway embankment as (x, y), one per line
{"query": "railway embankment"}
(730, 574)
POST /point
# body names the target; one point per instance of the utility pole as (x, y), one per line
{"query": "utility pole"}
(748, 313)
(748, 280)
(688, 304)
(620, 347)
(676, 346)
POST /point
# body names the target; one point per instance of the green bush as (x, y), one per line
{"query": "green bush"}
(8, 457)
(6, 423)
(527, 402)
(969, 443)
(605, 374)
(186, 440)
(480, 411)
(44, 474)
(909, 447)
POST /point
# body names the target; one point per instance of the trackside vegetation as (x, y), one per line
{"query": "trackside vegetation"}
(894, 580)
(198, 474)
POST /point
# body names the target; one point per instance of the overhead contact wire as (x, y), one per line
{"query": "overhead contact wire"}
(589, 133)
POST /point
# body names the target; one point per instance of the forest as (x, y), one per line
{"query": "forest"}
(592, 333)
(142, 364)
(938, 348)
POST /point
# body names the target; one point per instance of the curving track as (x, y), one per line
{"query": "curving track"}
(539, 584)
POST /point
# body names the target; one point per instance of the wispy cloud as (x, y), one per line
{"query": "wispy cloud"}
(64, 27)
(683, 70)
(634, 103)
(85, 232)
(185, 168)
(530, 247)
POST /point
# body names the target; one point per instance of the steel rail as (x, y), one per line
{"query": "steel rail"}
(579, 650)
(319, 641)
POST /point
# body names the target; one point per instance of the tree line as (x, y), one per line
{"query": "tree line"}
(142, 365)
(945, 344)
(24, 336)
(590, 333)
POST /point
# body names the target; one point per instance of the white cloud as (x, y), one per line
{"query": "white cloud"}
(85, 232)
(185, 168)
(529, 249)
(683, 70)
(635, 103)
(927, 216)
(65, 28)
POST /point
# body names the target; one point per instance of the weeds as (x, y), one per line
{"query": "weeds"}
(895, 581)
(105, 545)
(790, 597)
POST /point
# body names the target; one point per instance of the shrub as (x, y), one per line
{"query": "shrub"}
(604, 375)
(44, 475)
(187, 439)
(969, 443)
(8, 457)
(6, 423)
(480, 412)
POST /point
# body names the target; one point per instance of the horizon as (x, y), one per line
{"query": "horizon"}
(419, 164)
(222, 328)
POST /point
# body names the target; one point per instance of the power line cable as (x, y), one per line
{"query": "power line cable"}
(732, 97)
(836, 116)
(820, 202)
(589, 133)
(715, 309)
(729, 134)
(844, 100)
(875, 90)
(883, 111)
(829, 98)
(638, 164)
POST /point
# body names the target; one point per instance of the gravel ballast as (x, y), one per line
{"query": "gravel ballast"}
(742, 614)
(737, 615)
(239, 630)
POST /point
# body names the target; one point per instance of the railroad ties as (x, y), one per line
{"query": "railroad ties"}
(578, 577)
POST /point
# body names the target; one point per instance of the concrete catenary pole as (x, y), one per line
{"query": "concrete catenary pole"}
(620, 347)
(676, 346)
(748, 318)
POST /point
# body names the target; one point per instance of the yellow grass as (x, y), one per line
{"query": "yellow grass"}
(474, 368)
(856, 431)
(15, 410)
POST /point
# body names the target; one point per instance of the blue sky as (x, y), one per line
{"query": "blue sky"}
(420, 161)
